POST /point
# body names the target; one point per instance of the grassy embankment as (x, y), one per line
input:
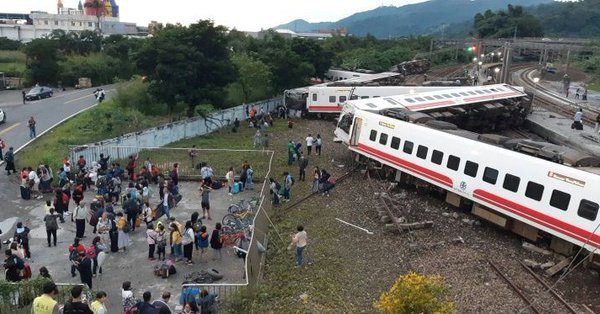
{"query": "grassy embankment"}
(12, 63)
(101, 122)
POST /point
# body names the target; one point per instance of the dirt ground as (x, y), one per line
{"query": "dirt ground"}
(348, 268)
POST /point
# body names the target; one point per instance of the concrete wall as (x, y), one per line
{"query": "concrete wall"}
(169, 133)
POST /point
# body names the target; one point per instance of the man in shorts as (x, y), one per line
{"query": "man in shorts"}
(205, 190)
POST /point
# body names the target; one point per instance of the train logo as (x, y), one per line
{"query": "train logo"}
(463, 185)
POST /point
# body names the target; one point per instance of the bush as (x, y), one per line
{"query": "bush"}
(101, 68)
(134, 95)
(415, 293)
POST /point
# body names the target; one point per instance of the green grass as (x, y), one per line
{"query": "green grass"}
(12, 68)
(101, 122)
(595, 86)
(8, 56)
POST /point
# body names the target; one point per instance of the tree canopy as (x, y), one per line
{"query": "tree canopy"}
(504, 24)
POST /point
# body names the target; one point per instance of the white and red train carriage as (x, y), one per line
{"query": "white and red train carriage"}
(516, 191)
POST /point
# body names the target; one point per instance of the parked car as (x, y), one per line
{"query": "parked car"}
(39, 92)
(2, 116)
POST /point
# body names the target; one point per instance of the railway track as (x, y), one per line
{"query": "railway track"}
(545, 98)
(534, 291)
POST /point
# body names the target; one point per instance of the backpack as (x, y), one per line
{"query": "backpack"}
(20, 263)
(94, 219)
(292, 179)
(90, 251)
(27, 271)
(127, 227)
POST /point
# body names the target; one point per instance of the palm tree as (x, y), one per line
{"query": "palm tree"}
(98, 5)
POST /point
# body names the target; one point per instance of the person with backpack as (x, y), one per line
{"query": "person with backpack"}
(152, 239)
(131, 207)
(9, 158)
(216, 243)
(196, 225)
(203, 241)
(161, 242)
(205, 190)
(51, 225)
(76, 305)
(74, 250)
(13, 266)
(123, 229)
(129, 301)
(288, 181)
(95, 251)
(21, 237)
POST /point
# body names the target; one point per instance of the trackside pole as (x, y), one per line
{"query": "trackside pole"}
(355, 226)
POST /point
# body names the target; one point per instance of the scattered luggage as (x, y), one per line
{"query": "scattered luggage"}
(236, 188)
(25, 192)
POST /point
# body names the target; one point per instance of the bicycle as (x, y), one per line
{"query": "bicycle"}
(243, 206)
(233, 239)
(238, 220)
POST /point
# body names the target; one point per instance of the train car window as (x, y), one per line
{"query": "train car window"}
(511, 182)
(560, 199)
(419, 99)
(493, 90)
(332, 99)
(472, 93)
(490, 175)
(383, 139)
(395, 142)
(408, 147)
(455, 95)
(588, 210)
(500, 89)
(447, 96)
(453, 162)
(343, 98)
(464, 94)
(375, 96)
(371, 105)
(314, 97)
(534, 190)
(487, 91)
(410, 100)
(438, 97)
(373, 135)
(346, 122)
(364, 97)
(479, 92)
(422, 152)
(436, 157)
(471, 168)
(429, 98)
(392, 101)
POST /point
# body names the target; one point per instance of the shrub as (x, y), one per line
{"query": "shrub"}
(134, 95)
(415, 293)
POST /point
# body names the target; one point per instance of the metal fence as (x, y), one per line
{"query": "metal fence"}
(172, 132)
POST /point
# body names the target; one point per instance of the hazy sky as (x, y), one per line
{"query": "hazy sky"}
(243, 15)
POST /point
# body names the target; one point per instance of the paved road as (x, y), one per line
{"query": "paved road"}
(15, 133)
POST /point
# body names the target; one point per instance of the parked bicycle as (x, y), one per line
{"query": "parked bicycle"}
(233, 239)
(239, 220)
(243, 206)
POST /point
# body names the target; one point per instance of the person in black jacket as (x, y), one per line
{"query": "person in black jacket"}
(21, 236)
(11, 264)
(145, 307)
(76, 305)
(215, 242)
(84, 265)
(132, 209)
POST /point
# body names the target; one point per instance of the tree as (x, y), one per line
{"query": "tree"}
(504, 23)
(254, 77)
(9, 44)
(311, 52)
(415, 293)
(187, 64)
(42, 61)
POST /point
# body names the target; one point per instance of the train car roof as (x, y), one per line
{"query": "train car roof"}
(439, 99)
(365, 78)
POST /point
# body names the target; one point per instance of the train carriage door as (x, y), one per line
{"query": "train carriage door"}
(356, 131)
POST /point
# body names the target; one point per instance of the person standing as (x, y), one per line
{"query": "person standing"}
(188, 242)
(13, 265)
(2, 146)
(99, 305)
(168, 202)
(318, 143)
(9, 158)
(79, 216)
(291, 148)
(257, 139)
(96, 251)
(316, 179)
(309, 143)
(132, 208)
(299, 240)
(230, 177)
(161, 242)
(302, 164)
(145, 307)
(84, 266)
(205, 203)
(216, 243)
(288, 181)
(76, 305)
(577, 125)
(23, 93)
(21, 236)
(74, 250)
(152, 239)
(46, 303)
(31, 123)
(203, 241)
(176, 241)
(162, 305)
(51, 226)
(123, 232)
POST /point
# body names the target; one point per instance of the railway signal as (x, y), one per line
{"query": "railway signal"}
(472, 49)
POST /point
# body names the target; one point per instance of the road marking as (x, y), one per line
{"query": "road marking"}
(76, 99)
(10, 128)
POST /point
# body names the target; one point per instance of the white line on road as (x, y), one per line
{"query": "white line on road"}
(10, 128)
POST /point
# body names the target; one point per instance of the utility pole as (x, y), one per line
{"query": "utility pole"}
(515, 35)
(568, 56)
(431, 49)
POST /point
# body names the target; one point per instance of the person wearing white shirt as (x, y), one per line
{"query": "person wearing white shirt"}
(299, 240)
(309, 143)
(33, 178)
